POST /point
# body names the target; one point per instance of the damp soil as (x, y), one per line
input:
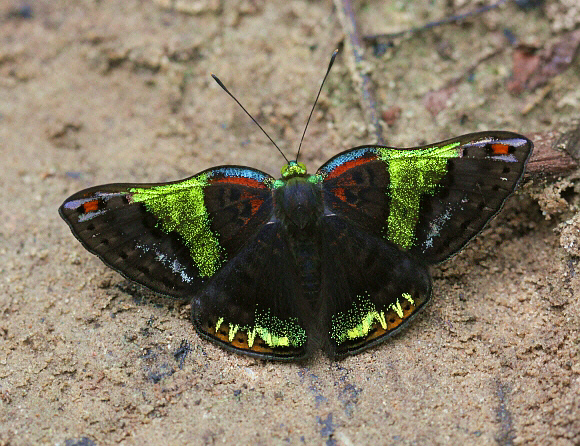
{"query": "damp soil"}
(93, 92)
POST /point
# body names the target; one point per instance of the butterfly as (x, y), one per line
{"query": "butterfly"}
(280, 268)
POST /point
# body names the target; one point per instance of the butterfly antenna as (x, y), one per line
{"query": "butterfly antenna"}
(316, 100)
(248, 113)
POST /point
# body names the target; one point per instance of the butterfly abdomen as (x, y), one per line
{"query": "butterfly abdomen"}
(305, 247)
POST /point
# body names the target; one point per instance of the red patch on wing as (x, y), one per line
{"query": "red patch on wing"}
(347, 181)
(242, 181)
(91, 206)
(339, 193)
(500, 149)
(339, 170)
(255, 202)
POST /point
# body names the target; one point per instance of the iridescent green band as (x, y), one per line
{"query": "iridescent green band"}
(180, 207)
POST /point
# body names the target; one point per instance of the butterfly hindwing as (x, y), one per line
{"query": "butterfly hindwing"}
(171, 237)
(371, 287)
(255, 303)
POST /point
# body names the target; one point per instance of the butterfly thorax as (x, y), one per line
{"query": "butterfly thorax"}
(298, 202)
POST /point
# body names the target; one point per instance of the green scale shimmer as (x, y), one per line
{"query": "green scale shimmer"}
(180, 207)
(274, 331)
(277, 332)
(412, 173)
(358, 321)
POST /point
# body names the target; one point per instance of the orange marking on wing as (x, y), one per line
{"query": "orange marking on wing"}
(91, 206)
(348, 181)
(242, 181)
(240, 340)
(393, 320)
(408, 310)
(500, 149)
(339, 170)
(261, 348)
(221, 334)
(256, 203)
(376, 332)
(339, 192)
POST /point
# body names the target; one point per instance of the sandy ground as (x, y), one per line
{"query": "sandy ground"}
(94, 91)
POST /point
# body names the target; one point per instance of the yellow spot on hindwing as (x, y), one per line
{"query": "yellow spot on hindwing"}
(362, 329)
(409, 298)
(397, 308)
(233, 330)
(219, 324)
(271, 339)
(357, 322)
(413, 173)
(180, 207)
(251, 337)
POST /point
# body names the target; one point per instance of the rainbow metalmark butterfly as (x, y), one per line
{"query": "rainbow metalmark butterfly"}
(278, 268)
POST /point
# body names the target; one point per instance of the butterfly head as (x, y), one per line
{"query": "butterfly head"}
(293, 169)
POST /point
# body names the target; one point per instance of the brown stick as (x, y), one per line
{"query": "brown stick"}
(355, 58)
(374, 38)
(554, 153)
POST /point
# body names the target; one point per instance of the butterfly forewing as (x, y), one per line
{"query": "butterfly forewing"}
(357, 188)
(170, 236)
(239, 203)
(429, 200)
(126, 237)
